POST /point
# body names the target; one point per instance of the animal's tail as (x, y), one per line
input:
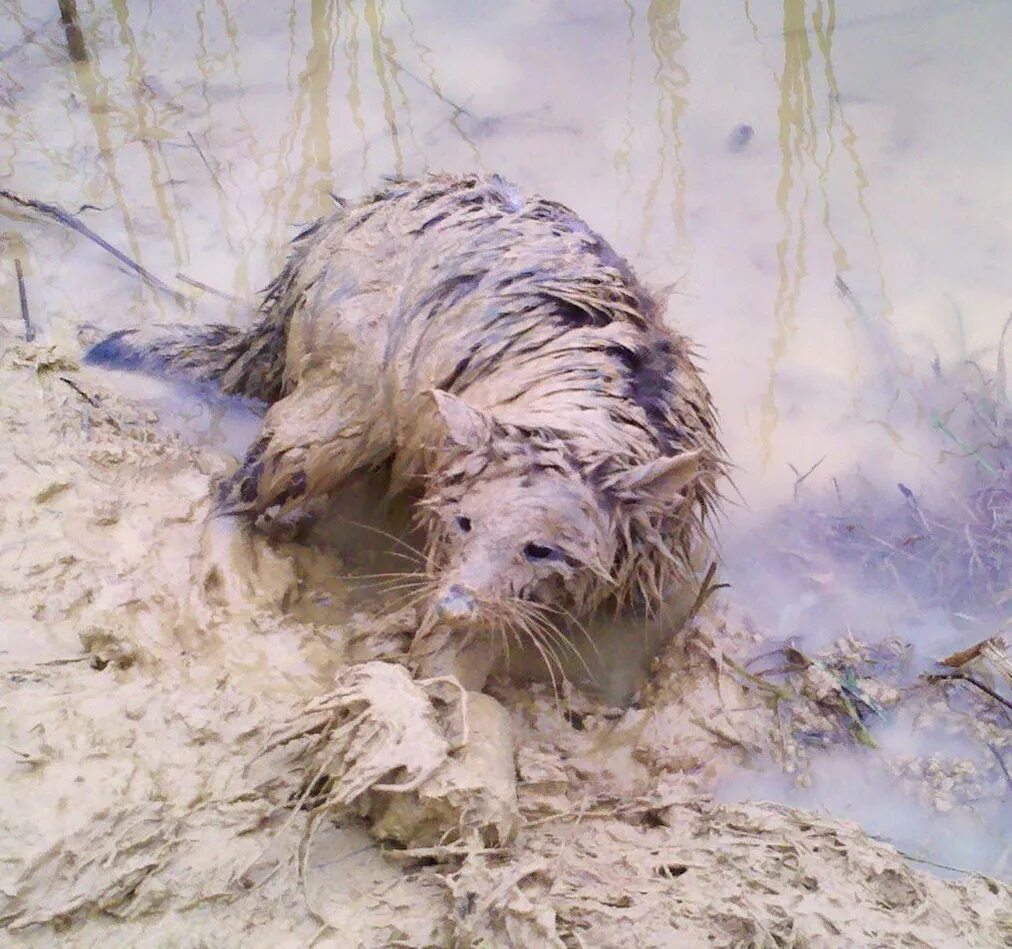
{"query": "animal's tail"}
(248, 362)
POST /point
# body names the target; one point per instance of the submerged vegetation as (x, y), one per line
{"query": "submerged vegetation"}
(900, 578)
(952, 550)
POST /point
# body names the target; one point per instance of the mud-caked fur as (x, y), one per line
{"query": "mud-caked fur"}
(506, 364)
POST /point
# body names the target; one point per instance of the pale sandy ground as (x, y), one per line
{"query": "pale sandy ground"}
(136, 813)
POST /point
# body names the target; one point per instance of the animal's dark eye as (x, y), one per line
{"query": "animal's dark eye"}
(534, 551)
(464, 523)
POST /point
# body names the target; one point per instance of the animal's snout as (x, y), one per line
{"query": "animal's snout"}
(456, 606)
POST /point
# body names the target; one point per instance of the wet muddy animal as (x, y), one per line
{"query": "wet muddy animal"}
(522, 386)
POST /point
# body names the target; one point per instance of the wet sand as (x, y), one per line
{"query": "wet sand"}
(138, 813)
(823, 262)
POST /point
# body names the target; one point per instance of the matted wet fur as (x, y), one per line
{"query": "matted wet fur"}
(506, 364)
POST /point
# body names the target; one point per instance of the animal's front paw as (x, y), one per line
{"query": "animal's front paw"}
(238, 571)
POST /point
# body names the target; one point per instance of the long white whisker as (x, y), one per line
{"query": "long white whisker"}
(373, 576)
(408, 598)
(558, 636)
(385, 584)
(542, 608)
(418, 555)
(537, 617)
(498, 627)
(545, 651)
(407, 589)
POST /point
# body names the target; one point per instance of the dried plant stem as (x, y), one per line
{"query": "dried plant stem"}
(207, 164)
(84, 395)
(973, 680)
(207, 289)
(68, 220)
(23, 293)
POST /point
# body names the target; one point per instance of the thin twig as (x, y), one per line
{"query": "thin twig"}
(23, 293)
(438, 93)
(706, 589)
(1001, 373)
(84, 395)
(966, 677)
(1001, 763)
(207, 164)
(67, 219)
(924, 860)
(961, 658)
(799, 478)
(203, 286)
(346, 856)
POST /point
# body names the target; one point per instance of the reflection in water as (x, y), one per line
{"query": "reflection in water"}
(232, 213)
(312, 112)
(457, 111)
(380, 65)
(811, 124)
(148, 132)
(287, 185)
(72, 29)
(319, 66)
(390, 55)
(354, 91)
(623, 155)
(667, 38)
(796, 137)
(9, 87)
(824, 23)
(97, 95)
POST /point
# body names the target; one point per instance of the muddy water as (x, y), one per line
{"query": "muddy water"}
(823, 191)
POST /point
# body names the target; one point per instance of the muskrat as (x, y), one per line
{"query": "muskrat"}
(556, 436)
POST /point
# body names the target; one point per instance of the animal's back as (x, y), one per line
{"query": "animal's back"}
(449, 283)
(464, 285)
(421, 277)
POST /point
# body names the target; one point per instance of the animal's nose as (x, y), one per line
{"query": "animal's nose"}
(456, 605)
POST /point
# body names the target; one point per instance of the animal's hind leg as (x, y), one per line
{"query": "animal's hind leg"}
(312, 440)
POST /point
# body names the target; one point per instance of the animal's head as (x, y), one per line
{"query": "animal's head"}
(516, 528)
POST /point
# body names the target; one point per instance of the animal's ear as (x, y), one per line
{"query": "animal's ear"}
(468, 427)
(662, 479)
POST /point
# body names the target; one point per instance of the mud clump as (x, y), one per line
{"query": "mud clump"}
(425, 762)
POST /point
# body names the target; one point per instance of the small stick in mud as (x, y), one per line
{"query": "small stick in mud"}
(23, 293)
(706, 589)
(1001, 763)
(799, 478)
(973, 680)
(207, 164)
(963, 656)
(84, 395)
(68, 220)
